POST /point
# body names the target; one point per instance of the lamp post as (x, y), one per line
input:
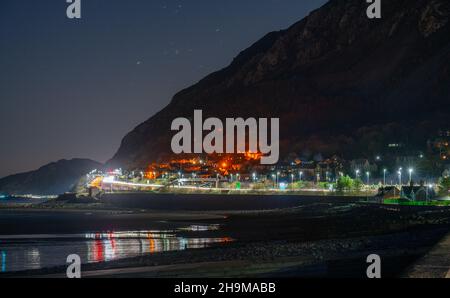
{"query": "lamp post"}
(254, 177)
(410, 175)
(278, 175)
(273, 179)
(400, 177)
(300, 175)
(384, 177)
(368, 178)
(292, 180)
(357, 174)
(217, 180)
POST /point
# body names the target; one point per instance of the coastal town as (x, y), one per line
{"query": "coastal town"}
(420, 176)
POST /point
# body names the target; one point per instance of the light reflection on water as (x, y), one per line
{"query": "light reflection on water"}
(24, 252)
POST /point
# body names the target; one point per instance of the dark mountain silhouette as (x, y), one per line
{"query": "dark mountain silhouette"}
(52, 179)
(339, 82)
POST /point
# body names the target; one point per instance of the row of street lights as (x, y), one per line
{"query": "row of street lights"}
(399, 172)
(276, 176)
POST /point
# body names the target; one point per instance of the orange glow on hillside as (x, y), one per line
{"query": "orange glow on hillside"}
(253, 156)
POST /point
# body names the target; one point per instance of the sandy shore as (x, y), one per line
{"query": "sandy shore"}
(318, 238)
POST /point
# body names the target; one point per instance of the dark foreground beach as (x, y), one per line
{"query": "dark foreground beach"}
(273, 237)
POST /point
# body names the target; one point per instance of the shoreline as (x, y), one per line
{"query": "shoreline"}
(133, 201)
(282, 241)
(265, 259)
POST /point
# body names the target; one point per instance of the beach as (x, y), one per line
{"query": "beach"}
(311, 237)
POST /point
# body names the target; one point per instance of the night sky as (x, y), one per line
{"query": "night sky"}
(74, 88)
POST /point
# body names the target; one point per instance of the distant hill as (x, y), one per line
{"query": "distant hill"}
(339, 82)
(52, 179)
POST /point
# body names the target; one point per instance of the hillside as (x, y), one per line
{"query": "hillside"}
(339, 82)
(52, 179)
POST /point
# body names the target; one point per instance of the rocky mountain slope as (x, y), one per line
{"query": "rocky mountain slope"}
(339, 82)
(52, 179)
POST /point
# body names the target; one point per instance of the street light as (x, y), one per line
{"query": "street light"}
(368, 178)
(357, 174)
(384, 177)
(400, 177)
(278, 175)
(300, 175)
(410, 175)
(273, 179)
(254, 177)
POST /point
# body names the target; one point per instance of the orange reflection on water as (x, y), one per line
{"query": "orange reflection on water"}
(152, 243)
